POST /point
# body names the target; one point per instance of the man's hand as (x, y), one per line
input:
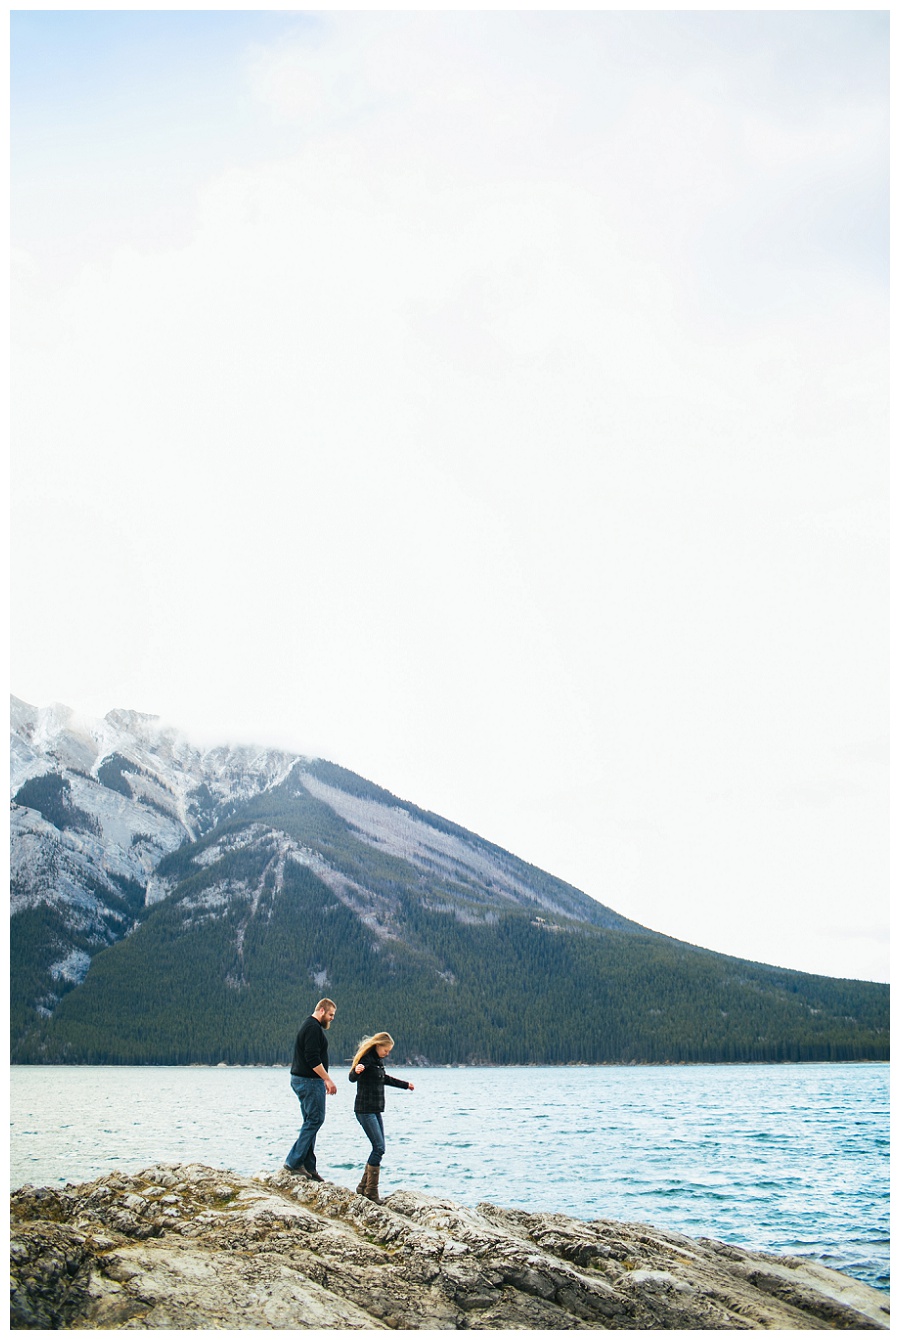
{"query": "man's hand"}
(330, 1086)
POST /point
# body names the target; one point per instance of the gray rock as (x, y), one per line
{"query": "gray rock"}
(187, 1247)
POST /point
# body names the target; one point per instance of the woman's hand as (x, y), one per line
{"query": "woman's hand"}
(360, 1069)
(410, 1087)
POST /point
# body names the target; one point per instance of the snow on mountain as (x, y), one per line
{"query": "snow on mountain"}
(96, 804)
(55, 737)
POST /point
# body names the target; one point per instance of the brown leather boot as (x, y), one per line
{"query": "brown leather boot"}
(363, 1181)
(371, 1191)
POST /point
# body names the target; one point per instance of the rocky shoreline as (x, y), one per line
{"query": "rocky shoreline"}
(184, 1247)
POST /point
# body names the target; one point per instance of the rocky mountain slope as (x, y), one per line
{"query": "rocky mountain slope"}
(96, 804)
(176, 904)
(189, 1247)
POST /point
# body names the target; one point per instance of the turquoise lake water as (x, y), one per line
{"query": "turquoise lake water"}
(788, 1159)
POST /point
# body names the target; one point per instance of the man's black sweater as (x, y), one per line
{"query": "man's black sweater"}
(310, 1049)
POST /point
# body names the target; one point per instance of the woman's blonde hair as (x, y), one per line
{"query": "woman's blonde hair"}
(376, 1040)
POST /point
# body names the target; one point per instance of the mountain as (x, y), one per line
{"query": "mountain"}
(172, 904)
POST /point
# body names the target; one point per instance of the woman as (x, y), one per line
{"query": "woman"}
(367, 1073)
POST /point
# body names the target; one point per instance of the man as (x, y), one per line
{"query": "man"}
(310, 1081)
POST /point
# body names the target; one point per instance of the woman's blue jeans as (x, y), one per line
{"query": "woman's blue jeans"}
(374, 1128)
(311, 1093)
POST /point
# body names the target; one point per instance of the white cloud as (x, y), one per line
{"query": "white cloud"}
(439, 447)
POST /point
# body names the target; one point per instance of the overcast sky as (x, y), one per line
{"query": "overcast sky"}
(492, 403)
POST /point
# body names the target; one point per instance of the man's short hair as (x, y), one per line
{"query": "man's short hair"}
(325, 1004)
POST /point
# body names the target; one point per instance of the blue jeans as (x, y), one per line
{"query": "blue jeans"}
(374, 1128)
(311, 1093)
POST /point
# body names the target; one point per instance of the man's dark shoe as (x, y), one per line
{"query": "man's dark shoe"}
(298, 1172)
(311, 1173)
